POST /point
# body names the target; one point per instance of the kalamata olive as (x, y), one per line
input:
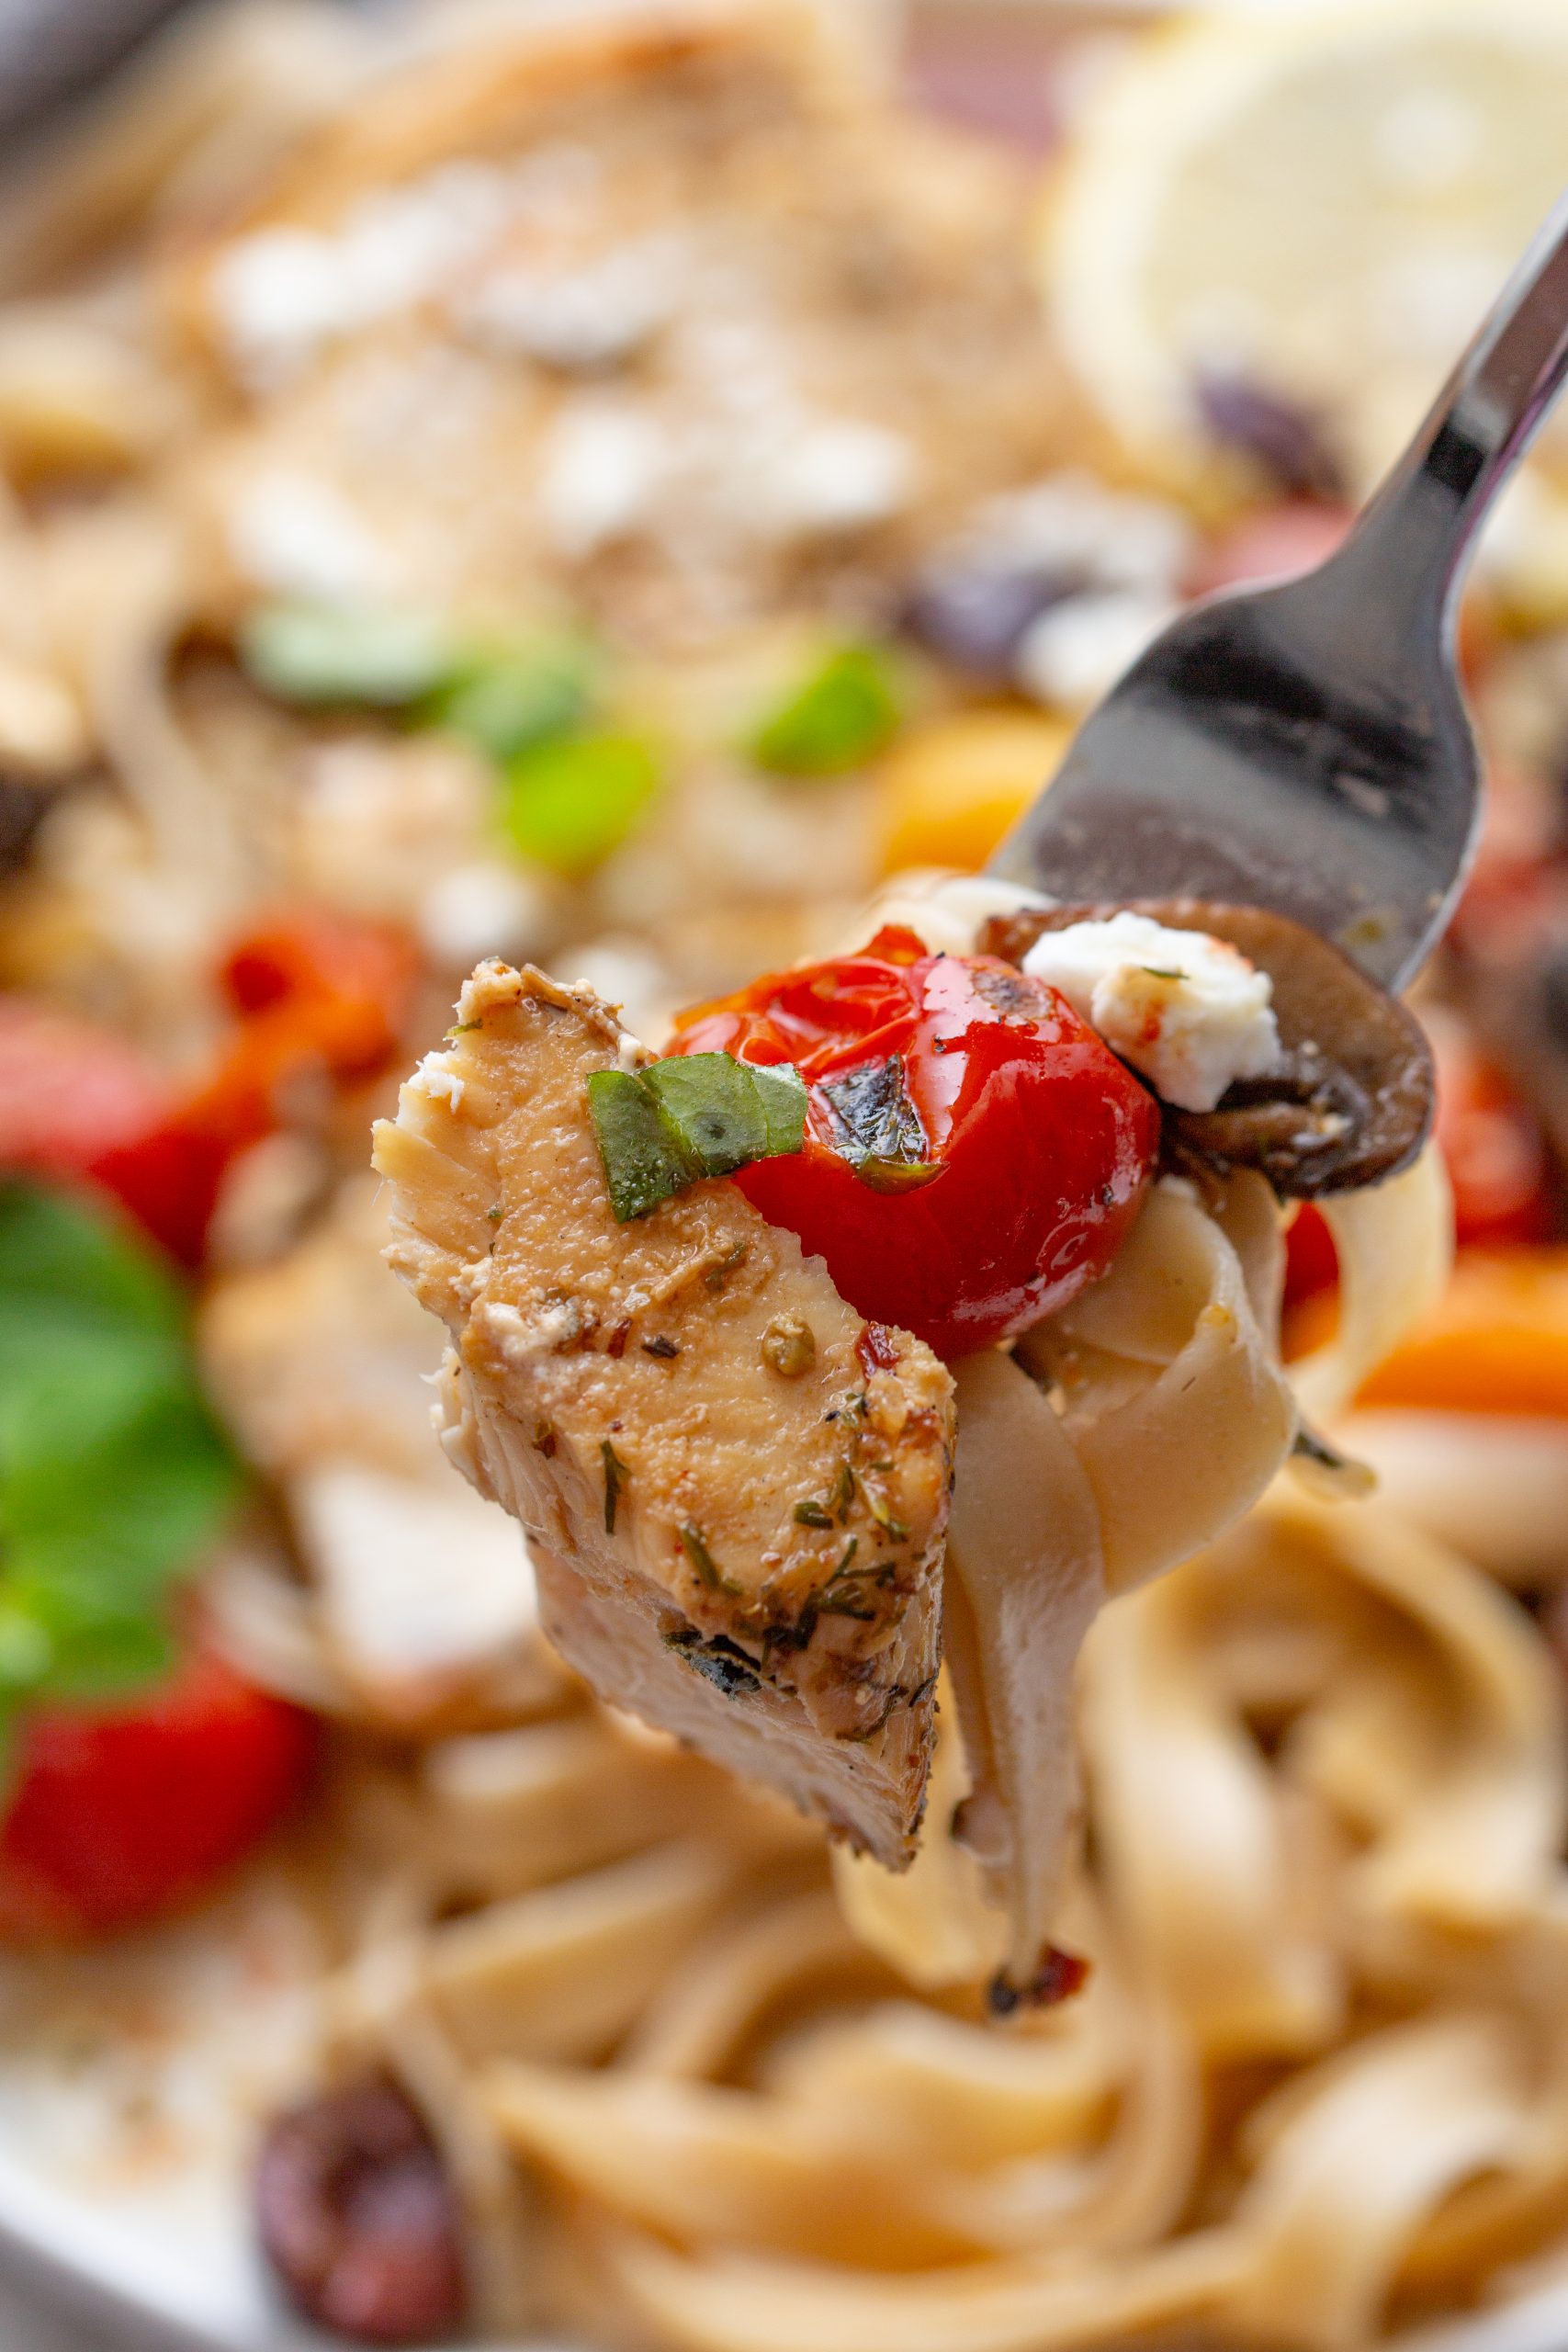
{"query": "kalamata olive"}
(1352, 1100)
(975, 615)
(1283, 440)
(22, 807)
(358, 2218)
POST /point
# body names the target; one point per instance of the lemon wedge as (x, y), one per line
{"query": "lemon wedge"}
(1317, 204)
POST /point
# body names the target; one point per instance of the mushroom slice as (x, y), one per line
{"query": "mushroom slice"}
(736, 1536)
(1352, 1100)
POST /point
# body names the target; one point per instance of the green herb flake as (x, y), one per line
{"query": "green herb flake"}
(644, 1162)
(716, 1276)
(514, 697)
(712, 1102)
(702, 1559)
(875, 1125)
(843, 1493)
(812, 1515)
(690, 1115)
(1155, 973)
(876, 1503)
(114, 1478)
(324, 654)
(616, 1477)
(568, 802)
(844, 712)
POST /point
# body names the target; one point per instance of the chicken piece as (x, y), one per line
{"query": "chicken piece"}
(737, 1540)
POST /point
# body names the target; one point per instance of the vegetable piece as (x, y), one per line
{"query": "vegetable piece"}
(571, 800)
(518, 697)
(337, 653)
(685, 1118)
(1352, 1100)
(1494, 1148)
(123, 1811)
(77, 1102)
(1497, 1343)
(320, 995)
(644, 1162)
(948, 791)
(713, 1106)
(972, 1153)
(113, 1475)
(358, 2220)
(837, 718)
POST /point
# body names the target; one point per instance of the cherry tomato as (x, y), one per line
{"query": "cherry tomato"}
(319, 994)
(1311, 1263)
(121, 1812)
(1017, 1145)
(78, 1103)
(1493, 1146)
(1272, 543)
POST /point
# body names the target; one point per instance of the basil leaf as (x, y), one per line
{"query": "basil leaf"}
(570, 801)
(644, 1164)
(519, 696)
(840, 714)
(114, 1476)
(782, 1093)
(873, 1125)
(689, 1116)
(713, 1105)
(331, 654)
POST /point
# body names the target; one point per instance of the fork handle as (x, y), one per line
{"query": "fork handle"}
(1419, 527)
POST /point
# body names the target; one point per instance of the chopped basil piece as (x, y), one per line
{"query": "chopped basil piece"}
(331, 654)
(519, 695)
(842, 712)
(686, 1117)
(875, 1125)
(616, 1477)
(782, 1091)
(114, 1478)
(571, 800)
(643, 1162)
(711, 1101)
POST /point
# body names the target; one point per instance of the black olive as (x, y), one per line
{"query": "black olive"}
(358, 2218)
(975, 615)
(1284, 441)
(1352, 1100)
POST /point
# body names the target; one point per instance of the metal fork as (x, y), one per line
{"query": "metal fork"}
(1305, 747)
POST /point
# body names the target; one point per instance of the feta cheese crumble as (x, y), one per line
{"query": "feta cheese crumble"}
(1188, 1011)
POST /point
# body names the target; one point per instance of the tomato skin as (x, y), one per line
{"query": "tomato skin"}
(79, 1103)
(1042, 1140)
(123, 1811)
(1494, 1148)
(315, 993)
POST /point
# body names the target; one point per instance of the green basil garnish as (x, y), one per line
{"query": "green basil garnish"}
(519, 695)
(331, 654)
(686, 1117)
(839, 715)
(571, 799)
(114, 1478)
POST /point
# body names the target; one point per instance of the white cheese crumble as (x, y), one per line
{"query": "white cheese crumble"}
(484, 908)
(297, 536)
(1187, 1011)
(438, 1079)
(593, 315)
(603, 467)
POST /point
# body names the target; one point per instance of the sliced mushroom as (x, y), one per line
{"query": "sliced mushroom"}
(1352, 1100)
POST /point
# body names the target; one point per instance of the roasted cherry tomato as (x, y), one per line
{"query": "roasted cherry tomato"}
(78, 1103)
(122, 1811)
(1493, 1147)
(974, 1152)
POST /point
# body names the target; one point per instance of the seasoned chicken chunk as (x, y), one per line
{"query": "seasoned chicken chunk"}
(734, 1488)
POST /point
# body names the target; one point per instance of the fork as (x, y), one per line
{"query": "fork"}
(1305, 747)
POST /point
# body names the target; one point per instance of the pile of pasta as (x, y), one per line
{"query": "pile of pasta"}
(1318, 2080)
(702, 2083)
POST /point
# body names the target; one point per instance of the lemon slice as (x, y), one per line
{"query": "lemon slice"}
(1320, 203)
